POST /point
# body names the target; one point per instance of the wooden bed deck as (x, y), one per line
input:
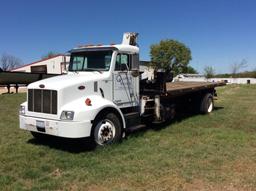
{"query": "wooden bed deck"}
(184, 87)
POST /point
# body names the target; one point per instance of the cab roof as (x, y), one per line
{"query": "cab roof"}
(120, 47)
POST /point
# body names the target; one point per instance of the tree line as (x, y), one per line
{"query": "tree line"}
(9, 62)
(175, 56)
(235, 71)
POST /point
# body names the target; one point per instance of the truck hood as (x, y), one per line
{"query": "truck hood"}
(70, 79)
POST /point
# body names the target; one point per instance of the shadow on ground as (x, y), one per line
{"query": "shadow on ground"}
(64, 144)
(87, 145)
(180, 116)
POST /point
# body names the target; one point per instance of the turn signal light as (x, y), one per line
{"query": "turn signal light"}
(88, 102)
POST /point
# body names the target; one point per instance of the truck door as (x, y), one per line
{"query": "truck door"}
(125, 85)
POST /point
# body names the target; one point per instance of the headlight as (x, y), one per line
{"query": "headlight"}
(67, 115)
(22, 110)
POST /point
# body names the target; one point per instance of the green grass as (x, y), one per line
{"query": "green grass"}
(200, 152)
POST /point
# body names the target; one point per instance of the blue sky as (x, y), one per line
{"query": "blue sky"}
(218, 32)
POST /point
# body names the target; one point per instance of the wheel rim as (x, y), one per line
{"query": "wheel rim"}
(210, 105)
(106, 132)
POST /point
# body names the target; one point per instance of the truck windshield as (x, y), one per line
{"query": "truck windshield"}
(90, 61)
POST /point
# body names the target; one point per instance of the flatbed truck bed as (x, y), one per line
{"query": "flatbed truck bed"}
(179, 88)
(163, 87)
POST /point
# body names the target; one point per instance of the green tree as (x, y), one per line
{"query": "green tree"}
(209, 72)
(190, 70)
(170, 55)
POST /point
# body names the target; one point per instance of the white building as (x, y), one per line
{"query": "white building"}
(201, 78)
(190, 78)
(54, 65)
(234, 80)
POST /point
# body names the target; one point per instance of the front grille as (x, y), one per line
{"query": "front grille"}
(42, 101)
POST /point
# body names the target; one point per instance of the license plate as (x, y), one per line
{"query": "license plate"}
(40, 125)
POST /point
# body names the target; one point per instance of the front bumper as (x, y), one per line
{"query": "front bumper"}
(68, 129)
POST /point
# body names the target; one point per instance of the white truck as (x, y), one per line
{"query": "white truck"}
(103, 96)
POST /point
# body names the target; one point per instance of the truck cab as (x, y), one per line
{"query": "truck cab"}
(90, 100)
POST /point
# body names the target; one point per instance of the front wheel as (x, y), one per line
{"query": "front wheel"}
(107, 129)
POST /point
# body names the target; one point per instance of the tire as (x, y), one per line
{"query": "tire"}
(107, 130)
(207, 104)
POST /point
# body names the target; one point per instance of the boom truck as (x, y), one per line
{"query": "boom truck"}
(103, 96)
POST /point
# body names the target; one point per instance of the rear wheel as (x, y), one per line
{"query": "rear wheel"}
(207, 104)
(107, 129)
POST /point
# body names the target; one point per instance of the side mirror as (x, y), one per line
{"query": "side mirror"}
(135, 62)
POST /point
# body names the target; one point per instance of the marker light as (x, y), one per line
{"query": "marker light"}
(88, 102)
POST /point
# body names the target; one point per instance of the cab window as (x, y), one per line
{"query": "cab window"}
(122, 62)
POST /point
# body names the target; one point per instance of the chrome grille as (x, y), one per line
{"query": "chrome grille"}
(42, 101)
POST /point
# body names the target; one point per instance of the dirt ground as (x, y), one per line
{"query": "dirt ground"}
(21, 90)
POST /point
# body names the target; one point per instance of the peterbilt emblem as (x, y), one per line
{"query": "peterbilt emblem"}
(81, 87)
(41, 86)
